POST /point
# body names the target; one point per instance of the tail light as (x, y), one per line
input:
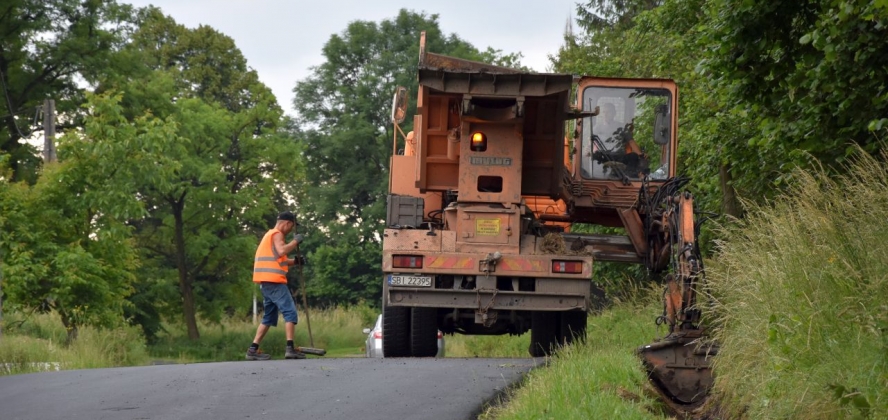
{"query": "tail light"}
(377, 334)
(567, 267)
(440, 335)
(407, 261)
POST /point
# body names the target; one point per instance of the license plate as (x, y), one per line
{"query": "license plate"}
(412, 281)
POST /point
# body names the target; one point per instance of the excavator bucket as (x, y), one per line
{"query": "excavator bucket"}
(679, 368)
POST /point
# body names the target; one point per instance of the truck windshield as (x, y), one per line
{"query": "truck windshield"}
(629, 138)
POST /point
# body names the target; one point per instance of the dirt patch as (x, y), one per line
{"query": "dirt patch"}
(554, 243)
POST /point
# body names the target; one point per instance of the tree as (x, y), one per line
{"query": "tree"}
(45, 47)
(227, 163)
(346, 272)
(811, 76)
(343, 108)
(64, 241)
(597, 15)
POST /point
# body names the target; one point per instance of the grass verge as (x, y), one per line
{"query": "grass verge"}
(338, 330)
(801, 301)
(458, 345)
(36, 344)
(601, 379)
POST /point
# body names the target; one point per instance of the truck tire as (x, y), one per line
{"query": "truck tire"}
(395, 331)
(544, 331)
(573, 327)
(424, 332)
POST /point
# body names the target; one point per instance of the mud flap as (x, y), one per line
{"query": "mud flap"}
(679, 368)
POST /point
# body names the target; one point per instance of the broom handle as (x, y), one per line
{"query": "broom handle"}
(304, 298)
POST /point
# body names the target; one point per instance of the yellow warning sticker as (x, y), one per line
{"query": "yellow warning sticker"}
(487, 227)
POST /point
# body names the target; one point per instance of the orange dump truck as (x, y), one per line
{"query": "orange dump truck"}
(499, 167)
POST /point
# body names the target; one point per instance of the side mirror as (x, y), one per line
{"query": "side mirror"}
(366, 330)
(399, 105)
(662, 125)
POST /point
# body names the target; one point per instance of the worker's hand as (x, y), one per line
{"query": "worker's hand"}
(298, 238)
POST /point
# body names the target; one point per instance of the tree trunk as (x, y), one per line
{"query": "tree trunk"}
(185, 287)
(730, 205)
(70, 327)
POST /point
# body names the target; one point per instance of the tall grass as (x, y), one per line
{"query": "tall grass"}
(339, 330)
(801, 298)
(600, 379)
(458, 345)
(36, 343)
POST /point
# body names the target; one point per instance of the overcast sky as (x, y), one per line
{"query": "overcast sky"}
(282, 39)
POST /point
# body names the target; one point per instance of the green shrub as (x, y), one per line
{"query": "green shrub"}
(801, 299)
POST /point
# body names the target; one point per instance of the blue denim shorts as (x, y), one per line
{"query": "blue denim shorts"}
(277, 298)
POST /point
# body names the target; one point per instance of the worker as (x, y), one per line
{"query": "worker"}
(608, 128)
(410, 144)
(270, 271)
(616, 151)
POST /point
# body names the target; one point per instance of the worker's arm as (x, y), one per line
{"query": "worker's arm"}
(632, 147)
(286, 248)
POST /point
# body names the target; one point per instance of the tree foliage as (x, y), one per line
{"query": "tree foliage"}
(812, 76)
(45, 47)
(179, 165)
(226, 163)
(601, 15)
(65, 242)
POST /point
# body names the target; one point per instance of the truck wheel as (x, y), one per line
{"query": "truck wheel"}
(544, 329)
(424, 332)
(395, 331)
(573, 327)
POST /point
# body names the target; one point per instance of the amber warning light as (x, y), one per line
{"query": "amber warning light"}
(569, 267)
(407, 261)
(479, 142)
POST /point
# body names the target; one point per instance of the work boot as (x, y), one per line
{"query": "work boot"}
(256, 354)
(294, 354)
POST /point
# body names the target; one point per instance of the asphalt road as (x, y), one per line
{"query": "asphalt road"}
(311, 389)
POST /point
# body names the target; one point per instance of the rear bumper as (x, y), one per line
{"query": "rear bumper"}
(473, 264)
(443, 254)
(489, 299)
(520, 279)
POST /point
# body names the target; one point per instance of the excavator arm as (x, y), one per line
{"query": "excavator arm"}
(678, 365)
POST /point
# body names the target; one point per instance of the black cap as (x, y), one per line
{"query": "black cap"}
(288, 216)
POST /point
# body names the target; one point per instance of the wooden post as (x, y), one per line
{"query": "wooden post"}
(255, 315)
(49, 153)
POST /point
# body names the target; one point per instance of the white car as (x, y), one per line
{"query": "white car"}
(373, 345)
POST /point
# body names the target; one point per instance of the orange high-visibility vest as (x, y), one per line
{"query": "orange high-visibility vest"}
(269, 266)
